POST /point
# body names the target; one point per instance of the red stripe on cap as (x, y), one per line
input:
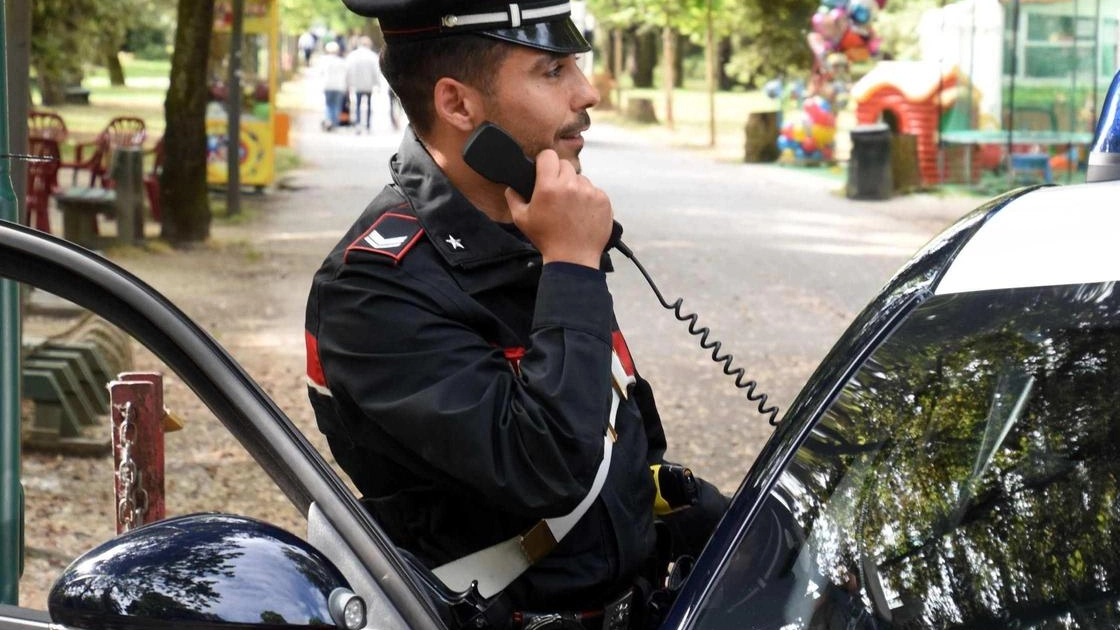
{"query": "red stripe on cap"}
(623, 352)
(314, 368)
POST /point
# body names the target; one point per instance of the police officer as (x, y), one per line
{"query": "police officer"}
(464, 361)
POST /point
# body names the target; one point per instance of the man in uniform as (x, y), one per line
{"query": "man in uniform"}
(464, 361)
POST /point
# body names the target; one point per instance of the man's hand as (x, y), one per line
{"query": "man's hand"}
(569, 218)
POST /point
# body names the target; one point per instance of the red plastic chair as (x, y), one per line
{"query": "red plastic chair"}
(41, 179)
(49, 125)
(122, 131)
(151, 179)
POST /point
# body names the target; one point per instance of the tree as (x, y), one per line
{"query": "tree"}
(64, 33)
(60, 36)
(302, 14)
(771, 40)
(183, 195)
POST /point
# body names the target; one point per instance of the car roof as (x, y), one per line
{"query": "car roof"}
(1050, 236)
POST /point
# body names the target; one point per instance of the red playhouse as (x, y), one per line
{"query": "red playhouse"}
(912, 97)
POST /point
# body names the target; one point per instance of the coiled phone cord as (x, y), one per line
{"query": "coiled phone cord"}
(714, 345)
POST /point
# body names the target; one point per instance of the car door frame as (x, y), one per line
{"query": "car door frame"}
(93, 282)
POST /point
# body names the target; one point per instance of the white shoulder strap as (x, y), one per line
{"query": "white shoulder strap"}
(495, 567)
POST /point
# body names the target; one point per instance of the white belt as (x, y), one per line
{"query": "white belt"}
(495, 567)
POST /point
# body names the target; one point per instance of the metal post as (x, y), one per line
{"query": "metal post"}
(233, 112)
(18, 52)
(128, 176)
(11, 493)
(137, 397)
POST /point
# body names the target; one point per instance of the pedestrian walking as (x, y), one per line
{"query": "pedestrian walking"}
(333, 69)
(306, 44)
(364, 77)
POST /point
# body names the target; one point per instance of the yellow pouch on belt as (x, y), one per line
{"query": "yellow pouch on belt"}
(675, 488)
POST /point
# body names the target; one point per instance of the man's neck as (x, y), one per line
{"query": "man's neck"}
(483, 194)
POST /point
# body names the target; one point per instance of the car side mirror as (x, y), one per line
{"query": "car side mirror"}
(214, 569)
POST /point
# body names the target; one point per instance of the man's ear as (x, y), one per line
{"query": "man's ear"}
(458, 104)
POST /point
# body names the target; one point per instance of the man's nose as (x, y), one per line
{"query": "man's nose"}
(588, 96)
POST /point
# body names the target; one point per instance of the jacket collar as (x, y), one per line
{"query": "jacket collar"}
(460, 232)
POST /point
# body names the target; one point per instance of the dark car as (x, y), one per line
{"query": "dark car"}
(952, 462)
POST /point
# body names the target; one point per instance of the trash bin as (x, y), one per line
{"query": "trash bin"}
(869, 168)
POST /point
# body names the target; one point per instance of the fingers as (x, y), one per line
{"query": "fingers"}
(517, 204)
(557, 176)
(569, 218)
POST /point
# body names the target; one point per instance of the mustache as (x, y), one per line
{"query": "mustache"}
(582, 123)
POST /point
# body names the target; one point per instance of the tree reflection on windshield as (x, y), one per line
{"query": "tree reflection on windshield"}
(966, 476)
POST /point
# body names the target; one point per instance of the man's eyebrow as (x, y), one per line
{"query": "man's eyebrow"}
(546, 58)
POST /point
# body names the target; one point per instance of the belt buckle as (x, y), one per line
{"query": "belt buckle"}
(551, 621)
(616, 614)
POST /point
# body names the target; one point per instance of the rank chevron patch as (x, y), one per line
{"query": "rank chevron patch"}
(390, 235)
(380, 242)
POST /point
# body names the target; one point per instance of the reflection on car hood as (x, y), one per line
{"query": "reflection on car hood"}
(1023, 246)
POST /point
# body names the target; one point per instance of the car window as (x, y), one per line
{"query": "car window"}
(965, 476)
(68, 475)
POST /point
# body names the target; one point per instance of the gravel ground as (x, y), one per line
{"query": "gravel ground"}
(226, 286)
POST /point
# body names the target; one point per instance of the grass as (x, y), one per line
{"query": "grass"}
(143, 95)
(691, 127)
(692, 130)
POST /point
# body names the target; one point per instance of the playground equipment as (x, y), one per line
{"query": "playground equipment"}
(260, 123)
(841, 34)
(1032, 77)
(911, 97)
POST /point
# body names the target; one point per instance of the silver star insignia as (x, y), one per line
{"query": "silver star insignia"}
(454, 242)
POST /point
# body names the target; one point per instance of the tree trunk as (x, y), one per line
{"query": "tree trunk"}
(616, 65)
(725, 50)
(183, 196)
(668, 64)
(113, 64)
(645, 58)
(613, 53)
(683, 49)
(52, 89)
(710, 57)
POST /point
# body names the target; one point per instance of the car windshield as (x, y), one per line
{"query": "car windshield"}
(965, 476)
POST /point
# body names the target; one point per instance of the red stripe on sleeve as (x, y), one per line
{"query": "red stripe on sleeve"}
(314, 368)
(623, 352)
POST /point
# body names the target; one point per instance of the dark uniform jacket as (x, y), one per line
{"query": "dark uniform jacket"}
(466, 389)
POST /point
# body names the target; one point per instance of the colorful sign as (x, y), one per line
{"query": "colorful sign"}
(256, 18)
(255, 148)
(261, 20)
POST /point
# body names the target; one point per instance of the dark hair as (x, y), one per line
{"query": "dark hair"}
(412, 69)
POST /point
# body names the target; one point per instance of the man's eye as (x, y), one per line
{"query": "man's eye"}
(555, 70)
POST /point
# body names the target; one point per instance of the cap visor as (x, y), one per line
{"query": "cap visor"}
(560, 36)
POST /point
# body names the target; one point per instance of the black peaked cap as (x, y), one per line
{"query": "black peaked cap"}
(541, 24)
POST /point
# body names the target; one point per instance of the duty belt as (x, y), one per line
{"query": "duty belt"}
(495, 567)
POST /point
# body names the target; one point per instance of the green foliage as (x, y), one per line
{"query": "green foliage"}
(148, 42)
(771, 41)
(897, 25)
(768, 36)
(65, 34)
(297, 16)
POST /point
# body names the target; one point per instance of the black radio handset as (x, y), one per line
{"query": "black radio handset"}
(495, 155)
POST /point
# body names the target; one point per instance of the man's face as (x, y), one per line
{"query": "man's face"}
(541, 99)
